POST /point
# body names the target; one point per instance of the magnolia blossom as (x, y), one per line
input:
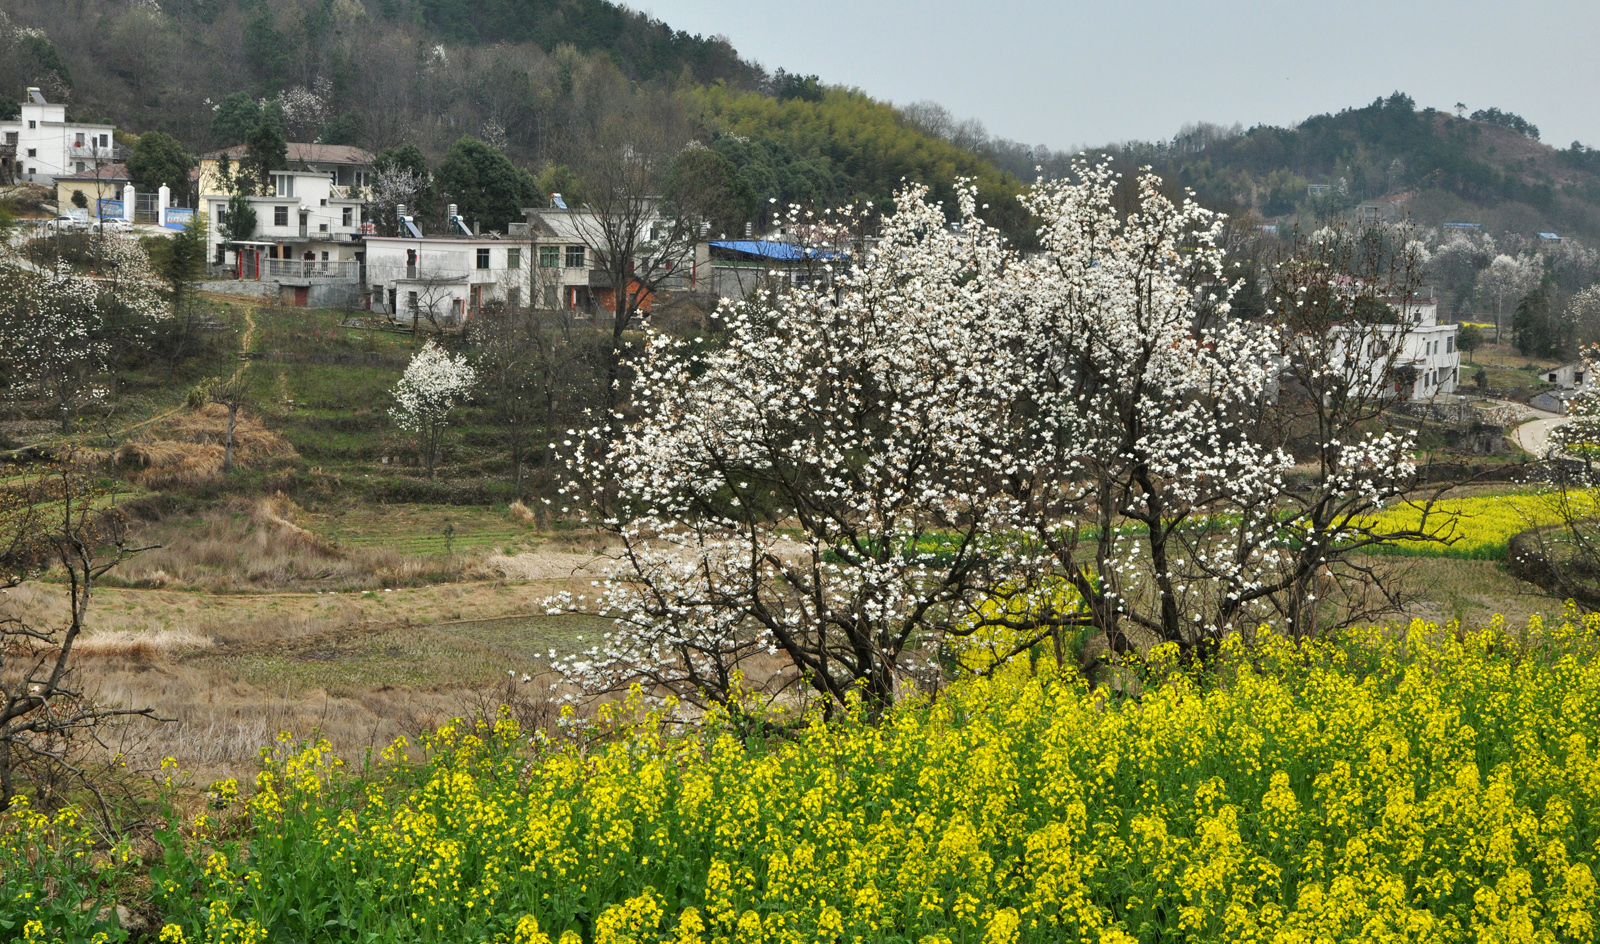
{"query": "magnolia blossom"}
(433, 384)
(799, 502)
(935, 436)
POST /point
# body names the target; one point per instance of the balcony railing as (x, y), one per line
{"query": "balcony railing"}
(310, 269)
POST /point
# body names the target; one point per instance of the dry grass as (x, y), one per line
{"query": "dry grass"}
(523, 513)
(142, 647)
(263, 545)
(185, 451)
(358, 685)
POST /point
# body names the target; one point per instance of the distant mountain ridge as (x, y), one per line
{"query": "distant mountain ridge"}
(1431, 166)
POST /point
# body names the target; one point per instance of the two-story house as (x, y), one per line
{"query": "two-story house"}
(1416, 350)
(48, 146)
(308, 217)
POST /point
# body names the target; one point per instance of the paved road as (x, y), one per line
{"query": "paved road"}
(1534, 435)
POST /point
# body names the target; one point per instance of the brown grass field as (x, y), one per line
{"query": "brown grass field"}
(254, 617)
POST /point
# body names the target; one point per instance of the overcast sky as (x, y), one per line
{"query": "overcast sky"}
(1069, 74)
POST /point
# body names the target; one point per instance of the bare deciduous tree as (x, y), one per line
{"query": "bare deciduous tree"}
(638, 241)
(55, 523)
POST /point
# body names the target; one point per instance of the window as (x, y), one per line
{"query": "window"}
(574, 257)
(283, 184)
(322, 227)
(513, 258)
(32, 124)
(483, 258)
(1450, 344)
(549, 257)
(345, 220)
(33, 152)
(78, 167)
(324, 255)
(324, 201)
(77, 140)
(280, 216)
(11, 137)
(411, 302)
(105, 140)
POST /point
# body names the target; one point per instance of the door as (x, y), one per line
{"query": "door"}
(300, 296)
(477, 298)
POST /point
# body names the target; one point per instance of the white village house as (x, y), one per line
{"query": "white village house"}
(48, 146)
(1428, 364)
(544, 262)
(309, 228)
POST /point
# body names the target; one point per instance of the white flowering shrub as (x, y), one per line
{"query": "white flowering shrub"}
(433, 384)
(52, 338)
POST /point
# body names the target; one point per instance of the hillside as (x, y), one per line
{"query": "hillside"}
(541, 81)
(1434, 167)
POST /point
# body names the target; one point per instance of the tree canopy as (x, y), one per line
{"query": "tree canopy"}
(158, 159)
(486, 187)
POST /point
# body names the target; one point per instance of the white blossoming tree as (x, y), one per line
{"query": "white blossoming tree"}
(817, 490)
(52, 338)
(1134, 457)
(955, 437)
(433, 384)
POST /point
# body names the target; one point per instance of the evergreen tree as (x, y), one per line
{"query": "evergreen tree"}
(158, 159)
(705, 187)
(268, 149)
(235, 117)
(486, 187)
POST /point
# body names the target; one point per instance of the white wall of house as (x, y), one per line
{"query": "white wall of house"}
(1426, 347)
(470, 272)
(306, 213)
(49, 146)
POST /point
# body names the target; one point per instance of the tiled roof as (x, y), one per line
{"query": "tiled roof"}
(104, 172)
(301, 153)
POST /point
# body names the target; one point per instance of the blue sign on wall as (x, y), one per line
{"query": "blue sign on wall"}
(179, 217)
(110, 209)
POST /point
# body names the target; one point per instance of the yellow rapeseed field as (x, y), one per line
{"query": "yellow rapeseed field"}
(1420, 784)
(1479, 527)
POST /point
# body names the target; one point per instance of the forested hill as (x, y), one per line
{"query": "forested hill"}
(539, 80)
(1486, 167)
(641, 46)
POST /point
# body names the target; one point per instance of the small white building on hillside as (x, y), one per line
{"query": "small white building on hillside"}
(446, 279)
(48, 146)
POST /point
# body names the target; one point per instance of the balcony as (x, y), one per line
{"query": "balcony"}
(310, 269)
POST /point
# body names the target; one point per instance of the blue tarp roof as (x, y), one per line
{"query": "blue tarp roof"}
(783, 252)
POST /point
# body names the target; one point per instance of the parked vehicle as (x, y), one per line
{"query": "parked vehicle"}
(112, 225)
(66, 224)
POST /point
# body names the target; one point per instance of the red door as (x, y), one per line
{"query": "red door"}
(300, 298)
